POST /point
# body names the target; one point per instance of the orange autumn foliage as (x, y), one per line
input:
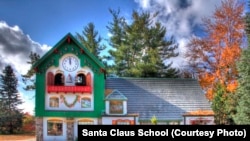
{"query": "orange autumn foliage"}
(231, 87)
(214, 57)
(28, 123)
(200, 113)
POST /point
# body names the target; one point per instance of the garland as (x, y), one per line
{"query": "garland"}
(70, 105)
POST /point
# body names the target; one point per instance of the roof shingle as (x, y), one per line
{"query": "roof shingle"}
(167, 99)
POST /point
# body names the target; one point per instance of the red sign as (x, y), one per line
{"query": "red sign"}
(69, 89)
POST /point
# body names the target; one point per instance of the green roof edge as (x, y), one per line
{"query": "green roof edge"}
(61, 42)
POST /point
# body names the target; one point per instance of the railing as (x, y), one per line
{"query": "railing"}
(69, 89)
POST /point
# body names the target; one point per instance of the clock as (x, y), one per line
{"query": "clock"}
(70, 63)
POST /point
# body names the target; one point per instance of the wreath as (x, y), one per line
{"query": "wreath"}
(70, 105)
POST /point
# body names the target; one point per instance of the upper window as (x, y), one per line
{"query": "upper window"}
(116, 107)
(59, 79)
(80, 80)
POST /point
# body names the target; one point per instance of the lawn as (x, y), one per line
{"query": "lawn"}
(17, 137)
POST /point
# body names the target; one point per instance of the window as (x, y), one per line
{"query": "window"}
(54, 127)
(122, 122)
(85, 102)
(199, 121)
(116, 107)
(53, 102)
(80, 80)
(59, 79)
(86, 122)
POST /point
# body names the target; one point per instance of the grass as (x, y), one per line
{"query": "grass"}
(17, 137)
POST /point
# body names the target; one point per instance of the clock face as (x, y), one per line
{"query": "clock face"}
(70, 63)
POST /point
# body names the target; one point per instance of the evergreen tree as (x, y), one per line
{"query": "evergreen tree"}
(28, 78)
(140, 48)
(11, 115)
(90, 39)
(242, 115)
(219, 104)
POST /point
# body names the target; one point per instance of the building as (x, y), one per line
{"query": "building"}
(72, 90)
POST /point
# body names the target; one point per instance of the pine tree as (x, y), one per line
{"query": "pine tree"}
(28, 78)
(90, 39)
(140, 47)
(11, 115)
(219, 105)
(242, 115)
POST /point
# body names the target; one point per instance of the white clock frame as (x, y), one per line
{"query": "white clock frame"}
(70, 63)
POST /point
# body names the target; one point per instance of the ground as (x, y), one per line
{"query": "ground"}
(17, 138)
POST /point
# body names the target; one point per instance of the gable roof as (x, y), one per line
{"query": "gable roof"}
(167, 99)
(116, 95)
(67, 37)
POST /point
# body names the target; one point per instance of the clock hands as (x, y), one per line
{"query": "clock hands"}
(70, 63)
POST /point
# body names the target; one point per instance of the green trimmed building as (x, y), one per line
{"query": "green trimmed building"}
(69, 86)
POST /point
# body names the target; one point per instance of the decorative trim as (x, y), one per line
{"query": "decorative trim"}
(68, 39)
(55, 50)
(36, 69)
(82, 51)
(70, 89)
(70, 105)
(102, 70)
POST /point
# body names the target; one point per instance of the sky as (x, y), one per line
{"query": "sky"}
(28, 25)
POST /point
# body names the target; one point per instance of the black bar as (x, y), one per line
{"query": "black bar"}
(173, 132)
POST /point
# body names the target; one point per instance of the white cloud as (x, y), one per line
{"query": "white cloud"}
(182, 19)
(15, 48)
(143, 3)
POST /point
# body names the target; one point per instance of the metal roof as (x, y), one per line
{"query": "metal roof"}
(167, 99)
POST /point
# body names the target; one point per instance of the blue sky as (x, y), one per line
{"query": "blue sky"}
(47, 21)
(30, 25)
